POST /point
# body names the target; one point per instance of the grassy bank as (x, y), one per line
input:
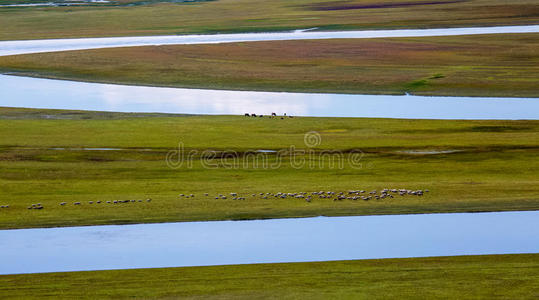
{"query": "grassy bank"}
(486, 65)
(464, 277)
(494, 169)
(258, 15)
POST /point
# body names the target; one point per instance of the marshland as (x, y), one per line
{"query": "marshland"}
(142, 137)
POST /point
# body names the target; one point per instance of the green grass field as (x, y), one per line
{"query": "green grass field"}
(461, 277)
(486, 65)
(258, 15)
(495, 170)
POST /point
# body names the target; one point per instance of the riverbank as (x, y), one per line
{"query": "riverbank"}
(468, 166)
(478, 65)
(479, 277)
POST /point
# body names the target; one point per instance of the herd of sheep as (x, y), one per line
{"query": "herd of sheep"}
(307, 196)
(335, 196)
(39, 206)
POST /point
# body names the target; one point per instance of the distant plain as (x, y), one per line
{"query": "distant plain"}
(257, 16)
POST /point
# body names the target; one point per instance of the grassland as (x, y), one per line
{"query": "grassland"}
(259, 15)
(485, 65)
(495, 170)
(464, 277)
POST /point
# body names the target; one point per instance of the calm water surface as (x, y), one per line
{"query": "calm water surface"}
(267, 241)
(58, 94)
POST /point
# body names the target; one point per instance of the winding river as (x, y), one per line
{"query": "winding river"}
(59, 94)
(262, 241)
(37, 46)
(267, 241)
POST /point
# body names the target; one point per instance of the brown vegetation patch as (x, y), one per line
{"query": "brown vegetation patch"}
(346, 5)
(479, 65)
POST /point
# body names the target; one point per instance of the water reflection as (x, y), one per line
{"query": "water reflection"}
(268, 241)
(58, 94)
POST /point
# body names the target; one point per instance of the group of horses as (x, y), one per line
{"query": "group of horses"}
(261, 116)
